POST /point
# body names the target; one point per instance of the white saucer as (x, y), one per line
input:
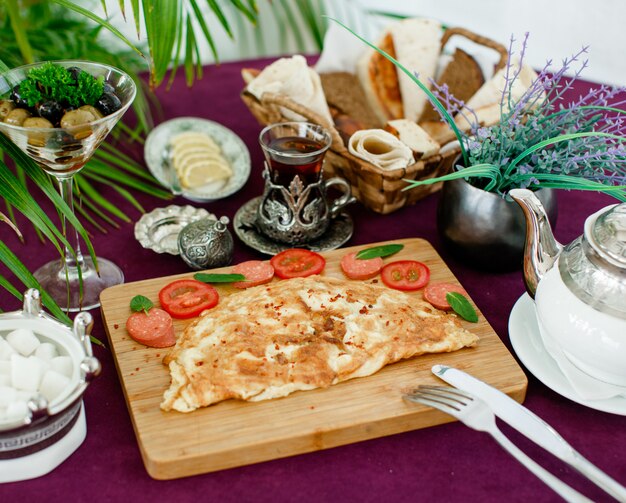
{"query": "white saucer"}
(528, 345)
(233, 149)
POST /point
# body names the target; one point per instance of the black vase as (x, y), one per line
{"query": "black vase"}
(483, 230)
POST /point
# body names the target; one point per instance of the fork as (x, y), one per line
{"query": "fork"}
(476, 414)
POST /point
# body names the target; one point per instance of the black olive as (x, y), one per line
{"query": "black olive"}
(108, 103)
(75, 72)
(17, 98)
(51, 110)
(108, 88)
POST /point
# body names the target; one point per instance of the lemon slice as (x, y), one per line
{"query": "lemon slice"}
(203, 172)
(193, 156)
(191, 139)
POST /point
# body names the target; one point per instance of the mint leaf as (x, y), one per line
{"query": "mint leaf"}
(140, 303)
(379, 251)
(218, 278)
(462, 306)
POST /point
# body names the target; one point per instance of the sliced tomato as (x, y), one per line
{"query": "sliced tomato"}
(256, 273)
(154, 328)
(297, 263)
(405, 275)
(356, 268)
(186, 298)
(436, 294)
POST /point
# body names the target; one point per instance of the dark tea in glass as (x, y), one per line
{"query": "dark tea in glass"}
(294, 148)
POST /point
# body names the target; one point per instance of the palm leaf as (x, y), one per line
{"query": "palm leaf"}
(161, 18)
(88, 190)
(4, 283)
(43, 182)
(103, 22)
(13, 10)
(21, 272)
(10, 222)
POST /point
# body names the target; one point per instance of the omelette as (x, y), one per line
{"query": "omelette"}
(300, 334)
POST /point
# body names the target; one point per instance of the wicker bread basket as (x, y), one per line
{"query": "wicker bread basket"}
(378, 189)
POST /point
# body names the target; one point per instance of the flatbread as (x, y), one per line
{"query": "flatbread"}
(301, 334)
(380, 148)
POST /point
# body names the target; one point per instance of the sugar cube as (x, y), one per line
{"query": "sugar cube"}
(5, 367)
(16, 410)
(7, 395)
(25, 373)
(46, 351)
(6, 350)
(5, 380)
(53, 384)
(63, 365)
(24, 341)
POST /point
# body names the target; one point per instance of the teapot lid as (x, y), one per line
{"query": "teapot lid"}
(608, 234)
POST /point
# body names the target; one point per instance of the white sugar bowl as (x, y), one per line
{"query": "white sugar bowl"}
(45, 367)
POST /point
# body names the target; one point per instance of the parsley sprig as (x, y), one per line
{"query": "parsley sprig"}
(54, 82)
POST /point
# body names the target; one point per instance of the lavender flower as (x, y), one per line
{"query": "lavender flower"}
(539, 141)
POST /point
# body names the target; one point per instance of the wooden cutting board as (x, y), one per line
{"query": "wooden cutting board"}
(235, 433)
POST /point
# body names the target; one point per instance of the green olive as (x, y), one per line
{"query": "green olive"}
(38, 122)
(76, 117)
(17, 116)
(92, 110)
(6, 106)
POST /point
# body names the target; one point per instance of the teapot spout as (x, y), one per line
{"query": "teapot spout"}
(542, 249)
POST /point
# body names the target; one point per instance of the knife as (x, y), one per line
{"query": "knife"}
(531, 426)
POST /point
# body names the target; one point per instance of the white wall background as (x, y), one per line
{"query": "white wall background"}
(557, 28)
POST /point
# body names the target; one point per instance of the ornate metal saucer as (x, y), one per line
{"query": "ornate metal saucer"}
(159, 229)
(338, 233)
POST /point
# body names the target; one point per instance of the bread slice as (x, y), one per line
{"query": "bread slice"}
(414, 137)
(379, 79)
(417, 44)
(463, 76)
(345, 94)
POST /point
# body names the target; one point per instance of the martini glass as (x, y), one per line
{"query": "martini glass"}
(62, 152)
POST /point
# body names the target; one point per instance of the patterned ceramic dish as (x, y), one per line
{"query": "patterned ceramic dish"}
(156, 153)
(159, 229)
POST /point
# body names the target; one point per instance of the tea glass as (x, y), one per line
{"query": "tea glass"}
(295, 208)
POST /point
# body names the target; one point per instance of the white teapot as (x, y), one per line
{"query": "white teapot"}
(580, 288)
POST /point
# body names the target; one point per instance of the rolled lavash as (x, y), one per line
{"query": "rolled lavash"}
(380, 148)
(292, 77)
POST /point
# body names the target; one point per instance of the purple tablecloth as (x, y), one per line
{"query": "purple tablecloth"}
(448, 462)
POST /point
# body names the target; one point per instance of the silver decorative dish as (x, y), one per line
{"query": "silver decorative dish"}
(233, 149)
(159, 229)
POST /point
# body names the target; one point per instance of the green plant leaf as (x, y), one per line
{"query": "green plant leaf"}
(462, 306)
(220, 16)
(8, 258)
(205, 29)
(557, 139)
(161, 18)
(95, 196)
(219, 278)
(379, 251)
(44, 184)
(18, 26)
(140, 303)
(87, 13)
(4, 283)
